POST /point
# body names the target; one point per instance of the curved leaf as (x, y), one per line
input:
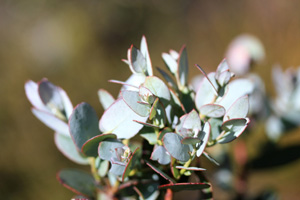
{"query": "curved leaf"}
(67, 147)
(172, 143)
(183, 66)
(145, 52)
(31, 90)
(212, 110)
(157, 87)
(106, 149)
(106, 99)
(239, 109)
(122, 125)
(133, 100)
(161, 155)
(83, 124)
(90, 147)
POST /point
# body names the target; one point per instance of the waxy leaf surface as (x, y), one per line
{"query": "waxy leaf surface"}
(172, 143)
(106, 99)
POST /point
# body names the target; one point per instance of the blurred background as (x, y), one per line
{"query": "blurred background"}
(79, 45)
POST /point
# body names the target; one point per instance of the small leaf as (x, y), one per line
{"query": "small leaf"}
(172, 143)
(239, 109)
(161, 155)
(212, 110)
(204, 136)
(157, 87)
(211, 158)
(184, 186)
(233, 128)
(83, 124)
(103, 168)
(158, 114)
(145, 52)
(170, 62)
(191, 168)
(122, 125)
(31, 90)
(132, 99)
(137, 61)
(235, 90)
(67, 147)
(117, 169)
(90, 147)
(50, 95)
(106, 99)
(166, 76)
(183, 66)
(52, 122)
(148, 134)
(161, 173)
(215, 128)
(206, 93)
(106, 149)
(77, 181)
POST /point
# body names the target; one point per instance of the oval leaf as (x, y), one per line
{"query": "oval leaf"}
(83, 124)
(133, 100)
(172, 143)
(212, 110)
(161, 155)
(157, 87)
(239, 109)
(90, 147)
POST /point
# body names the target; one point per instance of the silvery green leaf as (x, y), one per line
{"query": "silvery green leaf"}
(68, 106)
(183, 66)
(235, 90)
(223, 66)
(206, 93)
(103, 168)
(160, 172)
(78, 181)
(67, 147)
(106, 149)
(239, 109)
(191, 168)
(122, 125)
(191, 140)
(192, 121)
(117, 169)
(134, 82)
(233, 128)
(146, 95)
(204, 136)
(134, 101)
(50, 95)
(169, 80)
(52, 122)
(106, 99)
(170, 62)
(31, 90)
(137, 61)
(161, 155)
(212, 110)
(148, 134)
(90, 147)
(157, 87)
(145, 52)
(172, 143)
(83, 124)
(224, 78)
(215, 128)
(158, 114)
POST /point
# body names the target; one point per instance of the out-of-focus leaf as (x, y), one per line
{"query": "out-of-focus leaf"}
(170, 63)
(216, 125)
(67, 147)
(211, 158)
(133, 100)
(90, 147)
(134, 82)
(137, 61)
(106, 99)
(233, 128)
(203, 135)
(206, 93)
(117, 169)
(107, 148)
(160, 172)
(77, 181)
(103, 168)
(83, 124)
(145, 52)
(148, 134)
(49, 94)
(157, 87)
(190, 140)
(239, 109)
(212, 110)
(121, 125)
(191, 168)
(166, 76)
(157, 114)
(235, 90)
(161, 155)
(184, 186)
(31, 90)
(224, 78)
(183, 66)
(52, 122)
(172, 143)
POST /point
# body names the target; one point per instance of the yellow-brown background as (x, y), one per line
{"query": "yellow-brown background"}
(79, 45)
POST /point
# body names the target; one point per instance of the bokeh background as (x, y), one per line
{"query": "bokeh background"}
(79, 45)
